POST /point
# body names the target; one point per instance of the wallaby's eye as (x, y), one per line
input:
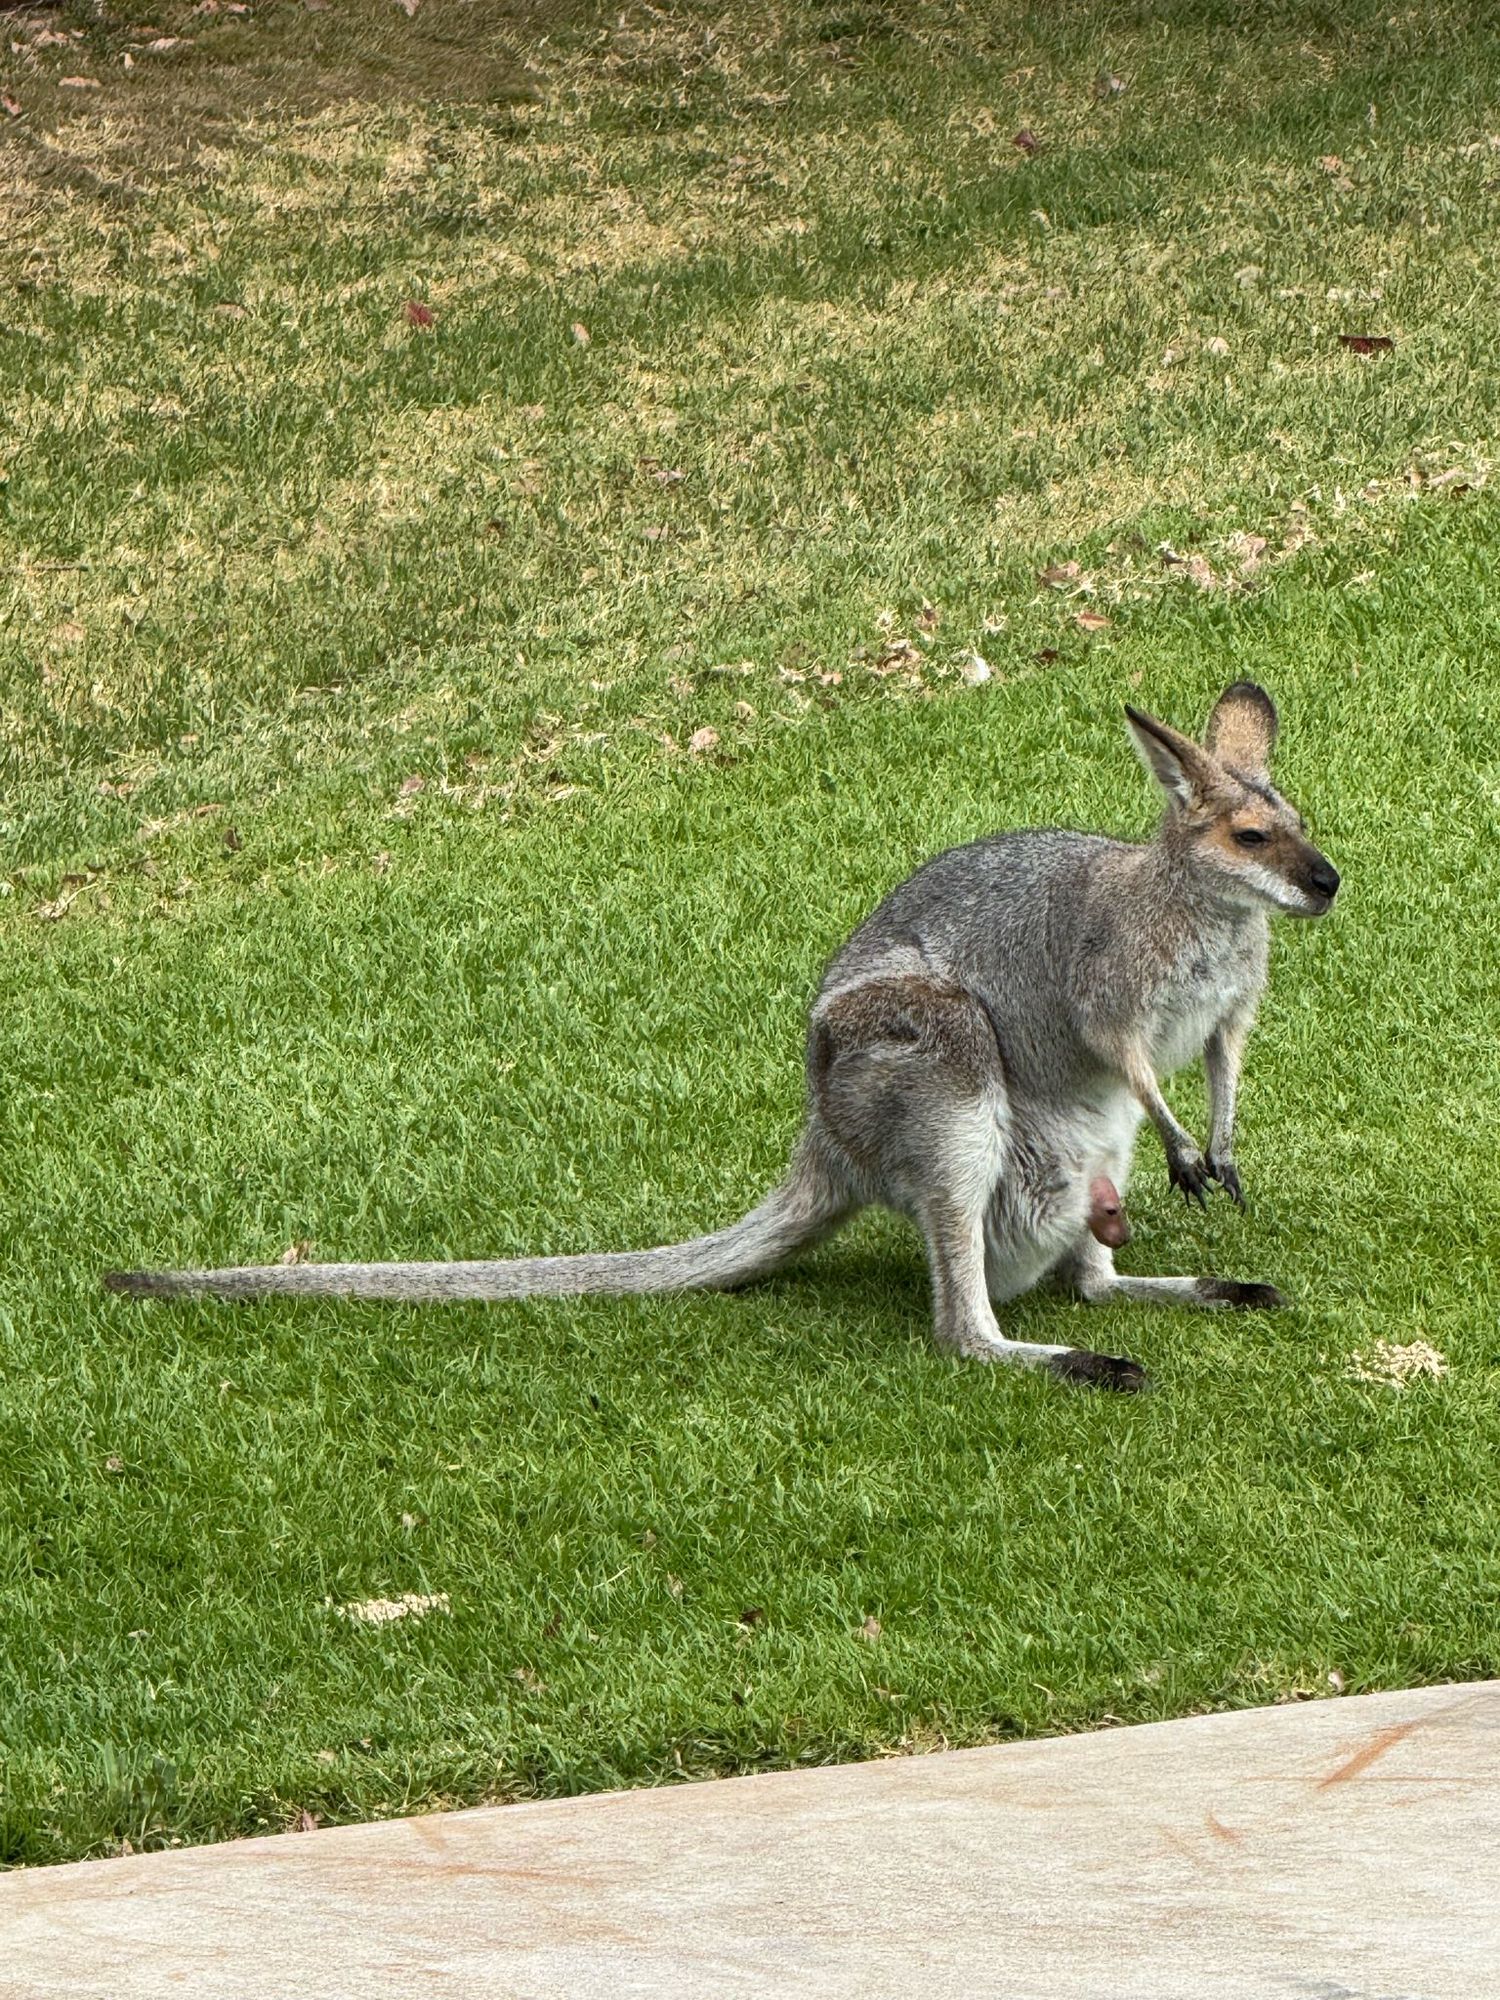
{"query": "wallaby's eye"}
(1249, 836)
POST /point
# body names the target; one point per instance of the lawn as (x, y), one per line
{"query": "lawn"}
(511, 538)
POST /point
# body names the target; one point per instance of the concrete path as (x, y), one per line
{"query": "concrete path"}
(1339, 1850)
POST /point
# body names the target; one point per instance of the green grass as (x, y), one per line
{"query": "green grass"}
(260, 569)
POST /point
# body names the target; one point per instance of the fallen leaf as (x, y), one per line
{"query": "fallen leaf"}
(232, 841)
(1218, 345)
(1045, 656)
(162, 43)
(1331, 163)
(327, 1756)
(408, 7)
(1107, 85)
(1248, 275)
(296, 1253)
(419, 315)
(974, 670)
(305, 1822)
(229, 309)
(580, 333)
(1091, 621)
(1367, 343)
(1056, 575)
(929, 617)
(752, 1616)
(529, 1678)
(11, 106)
(1026, 141)
(114, 1463)
(870, 1629)
(382, 862)
(410, 786)
(78, 82)
(1248, 551)
(1336, 1680)
(703, 740)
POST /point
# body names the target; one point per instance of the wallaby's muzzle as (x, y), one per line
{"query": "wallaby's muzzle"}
(1320, 882)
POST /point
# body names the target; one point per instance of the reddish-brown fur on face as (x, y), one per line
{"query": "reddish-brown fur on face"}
(1107, 1213)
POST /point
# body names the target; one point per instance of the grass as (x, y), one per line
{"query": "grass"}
(363, 889)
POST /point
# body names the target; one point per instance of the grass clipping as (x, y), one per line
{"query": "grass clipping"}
(1392, 1366)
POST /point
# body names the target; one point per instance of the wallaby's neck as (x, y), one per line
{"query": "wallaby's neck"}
(1178, 897)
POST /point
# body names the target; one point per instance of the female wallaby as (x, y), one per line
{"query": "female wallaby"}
(980, 1056)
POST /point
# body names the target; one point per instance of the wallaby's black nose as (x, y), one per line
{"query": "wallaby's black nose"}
(1324, 878)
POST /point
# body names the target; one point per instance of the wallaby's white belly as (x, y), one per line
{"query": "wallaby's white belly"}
(1032, 1224)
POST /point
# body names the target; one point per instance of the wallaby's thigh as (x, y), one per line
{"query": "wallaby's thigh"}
(908, 1084)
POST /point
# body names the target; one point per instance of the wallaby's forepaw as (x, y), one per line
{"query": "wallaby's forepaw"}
(1191, 1173)
(1244, 1296)
(1223, 1171)
(1099, 1371)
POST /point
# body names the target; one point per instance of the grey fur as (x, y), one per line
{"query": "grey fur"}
(984, 1045)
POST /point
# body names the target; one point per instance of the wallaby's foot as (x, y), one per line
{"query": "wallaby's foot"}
(1099, 1371)
(1190, 1172)
(1241, 1294)
(1223, 1171)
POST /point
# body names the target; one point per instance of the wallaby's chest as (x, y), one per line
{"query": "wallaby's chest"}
(1194, 997)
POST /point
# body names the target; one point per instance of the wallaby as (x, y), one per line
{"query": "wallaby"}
(980, 1055)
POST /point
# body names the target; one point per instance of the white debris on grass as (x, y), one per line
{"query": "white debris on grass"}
(1393, 1366)
(385, 1610)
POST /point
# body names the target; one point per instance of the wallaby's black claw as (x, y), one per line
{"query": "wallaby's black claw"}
(1243, 1296)
(1192, 1175)
(1099, 1371)
(1223, 1171)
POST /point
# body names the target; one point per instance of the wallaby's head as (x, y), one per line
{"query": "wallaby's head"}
(1225, 818)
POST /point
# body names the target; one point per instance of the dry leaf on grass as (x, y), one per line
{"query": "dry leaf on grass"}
(702, 741)
(296, 1253)
(580, 333)
(1057, 576)
(78, 83)
(386, 1610)
(11, 106)
(1091, 621)
(1026, 142)
(1218, 345)
(419, 315)
(870, 1629)
(1367, 343)
(974, 670)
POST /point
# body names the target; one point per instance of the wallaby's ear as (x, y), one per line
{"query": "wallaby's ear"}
(1242, 728)
(1175, 761)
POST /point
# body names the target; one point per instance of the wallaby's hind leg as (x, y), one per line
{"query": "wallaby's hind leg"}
(908, 1086)
(1090, 1270)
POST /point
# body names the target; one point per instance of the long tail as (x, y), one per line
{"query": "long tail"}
(804, 1208)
